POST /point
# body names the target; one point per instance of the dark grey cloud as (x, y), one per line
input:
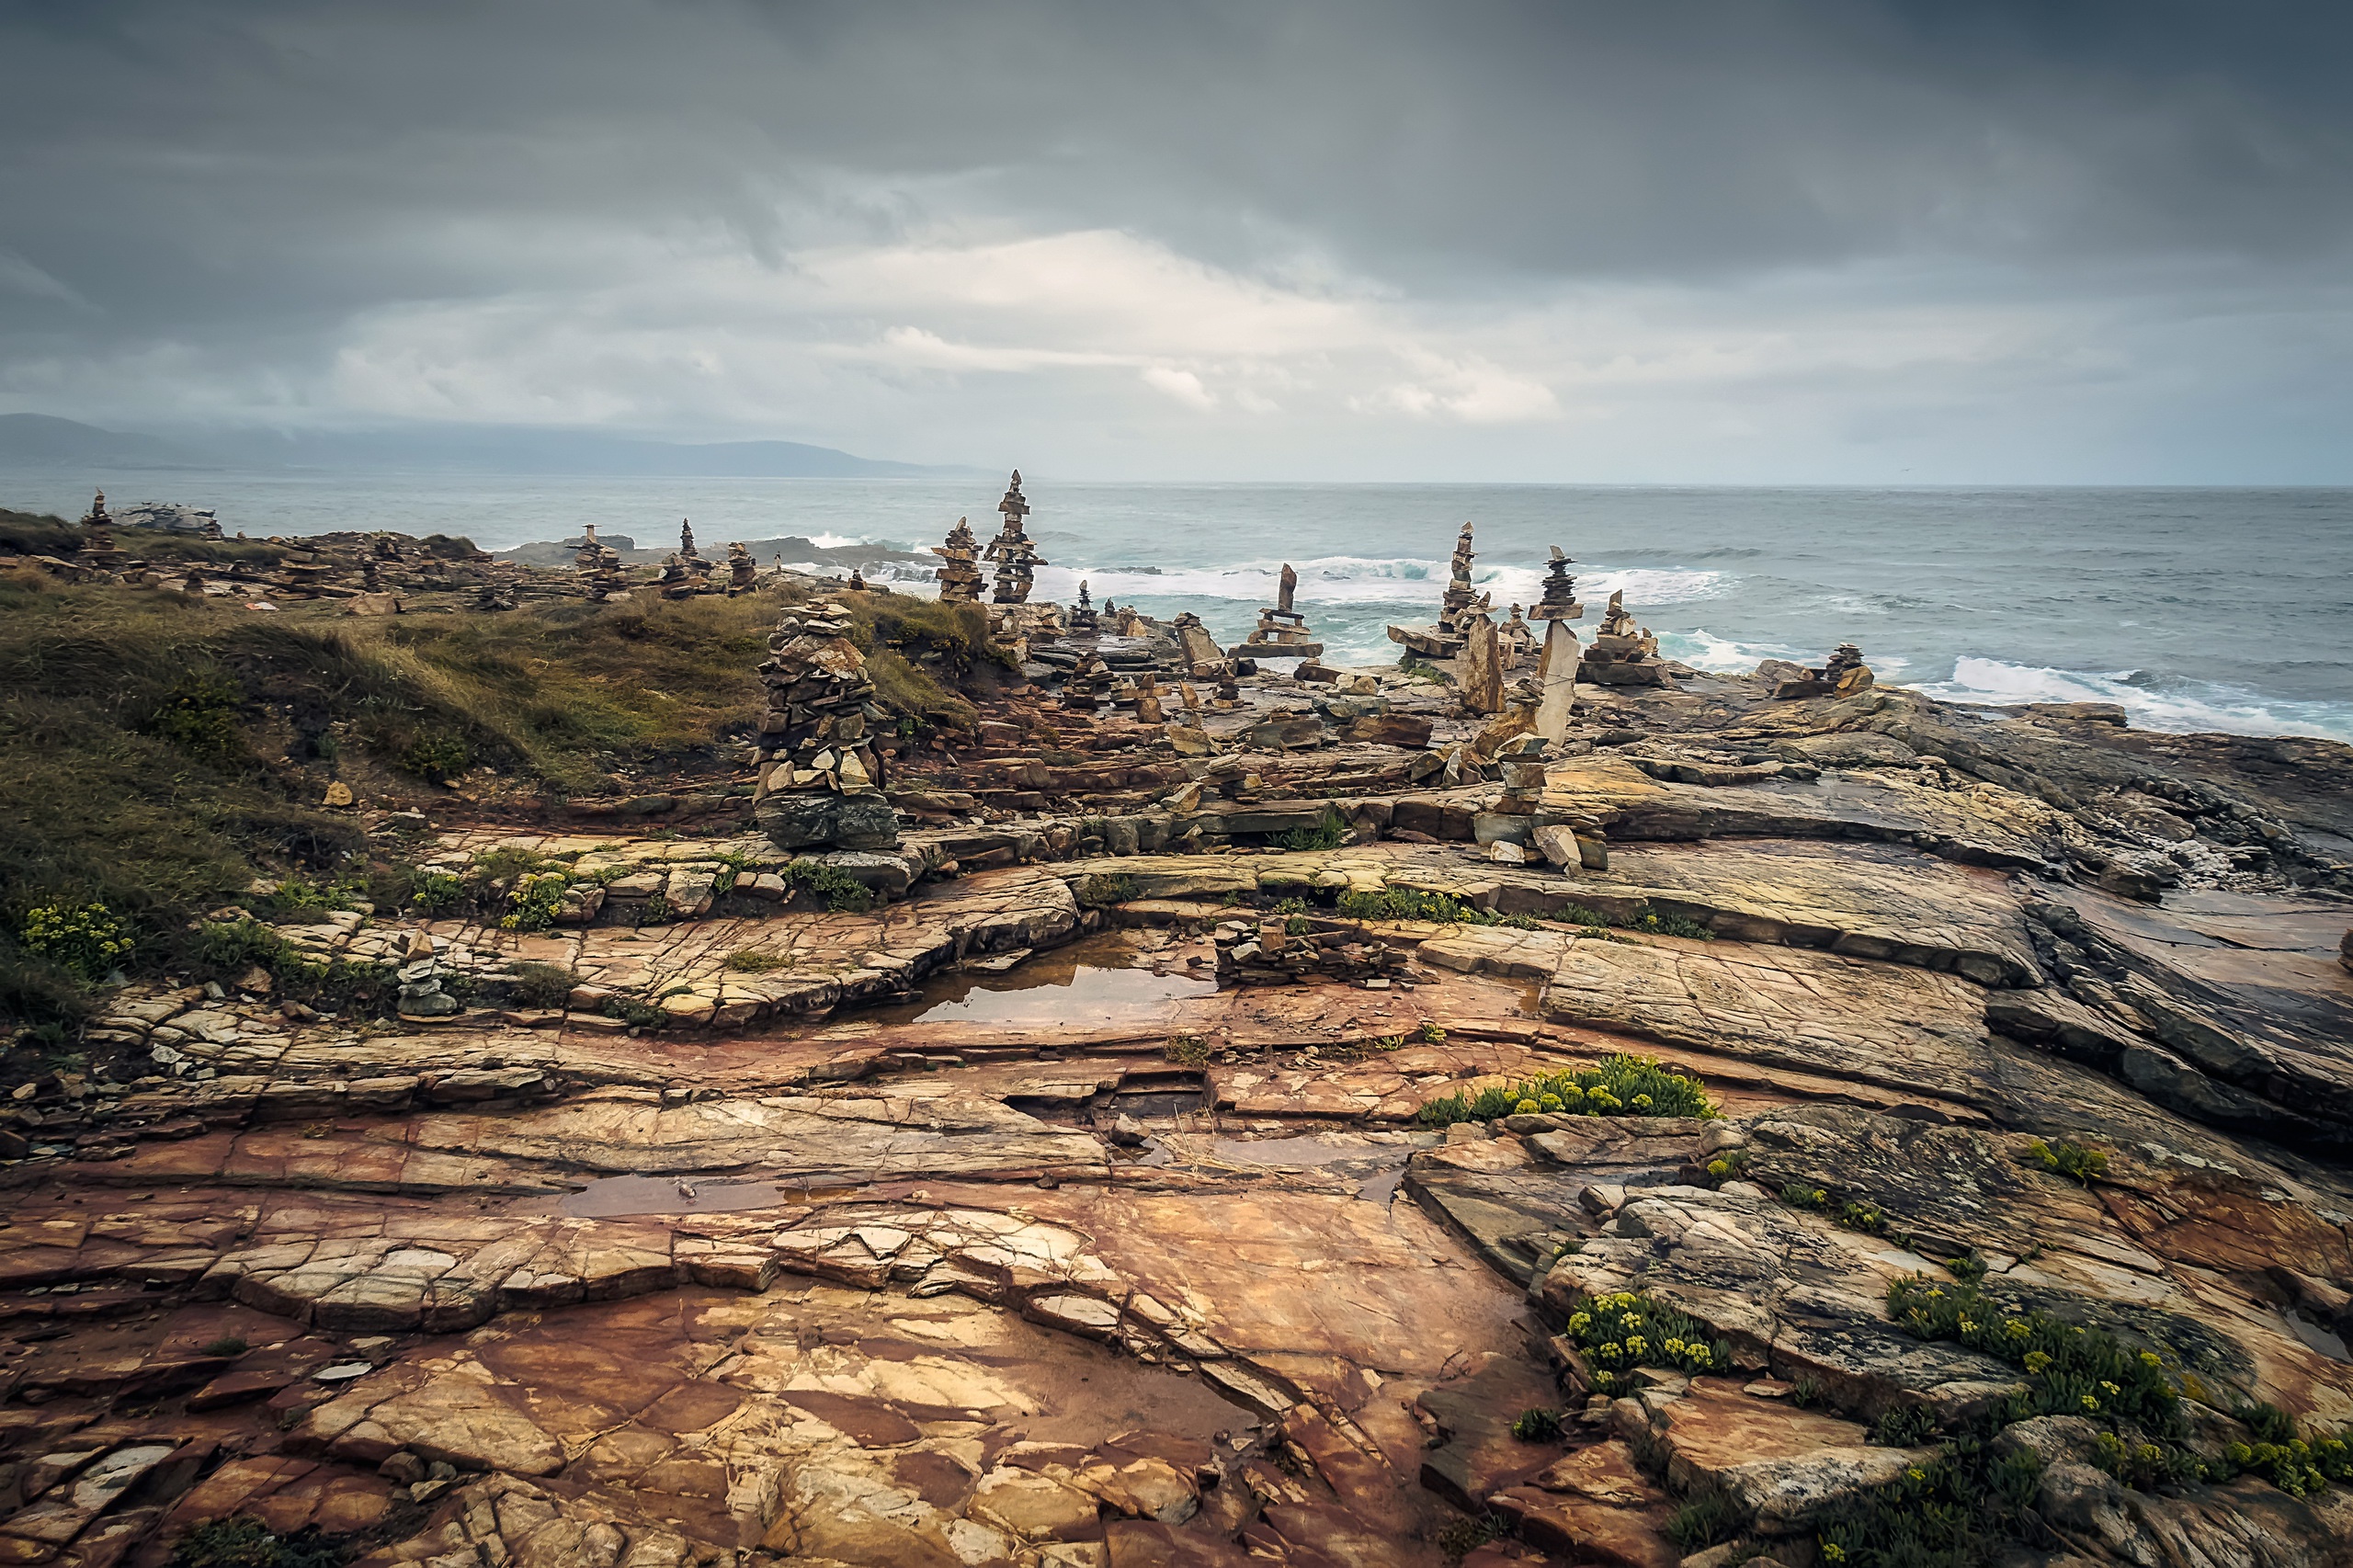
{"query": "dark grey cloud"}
(335, 211)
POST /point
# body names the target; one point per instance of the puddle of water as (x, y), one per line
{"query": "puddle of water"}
(1090, 981)
(609, 1198)
(1305, 1153)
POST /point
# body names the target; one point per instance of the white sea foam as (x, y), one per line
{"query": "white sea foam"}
(1351, 579)
(2178, 705)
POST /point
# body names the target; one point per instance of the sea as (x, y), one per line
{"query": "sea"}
(2195, 609)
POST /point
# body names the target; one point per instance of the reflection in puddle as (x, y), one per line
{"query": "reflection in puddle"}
(609, 1198)
(1087, 983)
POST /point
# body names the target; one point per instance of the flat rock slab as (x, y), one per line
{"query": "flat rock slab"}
(1985, 826)
(1865, 900)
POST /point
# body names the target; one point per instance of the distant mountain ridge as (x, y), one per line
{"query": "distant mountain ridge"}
(39, 440)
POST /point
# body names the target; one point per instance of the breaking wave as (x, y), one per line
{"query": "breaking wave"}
(2152, 702)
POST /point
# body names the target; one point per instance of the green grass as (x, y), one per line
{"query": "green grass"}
(1621, 1085)
(1329, 829)
(249, 1543)
(1439, 908)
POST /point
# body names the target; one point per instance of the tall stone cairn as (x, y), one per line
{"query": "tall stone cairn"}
(821, 778)
(960, 570)
(1017, 559)
(1459, 602)
(1083, 619)
(743, 572)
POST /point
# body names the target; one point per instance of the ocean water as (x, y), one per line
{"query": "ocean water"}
(2196, 609)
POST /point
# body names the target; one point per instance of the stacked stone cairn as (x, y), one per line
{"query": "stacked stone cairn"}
(687, 550)
(304, 574)
(1842, 675)
(820, 776)
(1089, 686)
(1281, 632)
(601, 564)
(1622, 653)
(421, 995)
(99, 550)
(497, 593)
(960, 571)
(1017, 559)
(1197, 650)
(1460, 603)
(676, 582)
(1556, 669)
(1083, 621)
(1267, 954)
(743, 572)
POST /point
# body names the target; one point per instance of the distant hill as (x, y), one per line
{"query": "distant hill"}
(35, 440)
(473, 448)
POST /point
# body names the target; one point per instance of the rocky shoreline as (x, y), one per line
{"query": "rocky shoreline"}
(1112, 1128)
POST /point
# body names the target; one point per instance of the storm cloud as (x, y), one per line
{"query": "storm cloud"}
(1668, 242)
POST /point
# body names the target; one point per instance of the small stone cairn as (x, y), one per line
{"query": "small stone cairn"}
(600, 563)
(1083, 621)
(1089, 686)
(820, 776)
(421, 995)
(743, 572)
(99, 550)
(1281, 632)
(960, 571)
(1016, 558)
(1267, 954)
(1622, 653)
(1842, 675)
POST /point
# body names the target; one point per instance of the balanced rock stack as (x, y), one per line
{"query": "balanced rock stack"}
(604, 568)
(743, 572)
(1622, 653)
(1196, 648)
(1281, 632)
(421, 995)
(960, 571)
(304, 574)
(687, 550)
(1843, 675)
(98, 549)
(1017, 559)
(1088, 687)
(819, 776)
(498, 592)
(1083, 619)
(676, 582)
(1556, 670)
(1460, 603)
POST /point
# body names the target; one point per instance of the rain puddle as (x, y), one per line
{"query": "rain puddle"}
(1304, 1152)
(1092, 981)
(609, 1198)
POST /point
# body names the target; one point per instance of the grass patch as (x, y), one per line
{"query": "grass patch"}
(1537, 1425)
(831, 886)
(751, 961)
(1329, 829)
(1102, 888)
(1439, 908)
(249, 1543)
(1621, 1085)
(1187, 1050)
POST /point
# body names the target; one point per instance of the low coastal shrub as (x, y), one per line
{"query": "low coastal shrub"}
(1621, 1085)
(1620, 1332)
(87, 941)
(1101, 889)
(2079, 1161)
(542, 984)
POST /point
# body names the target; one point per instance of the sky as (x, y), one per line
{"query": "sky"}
(1742, 242)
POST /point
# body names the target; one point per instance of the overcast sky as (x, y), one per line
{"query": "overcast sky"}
(1949, 241)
